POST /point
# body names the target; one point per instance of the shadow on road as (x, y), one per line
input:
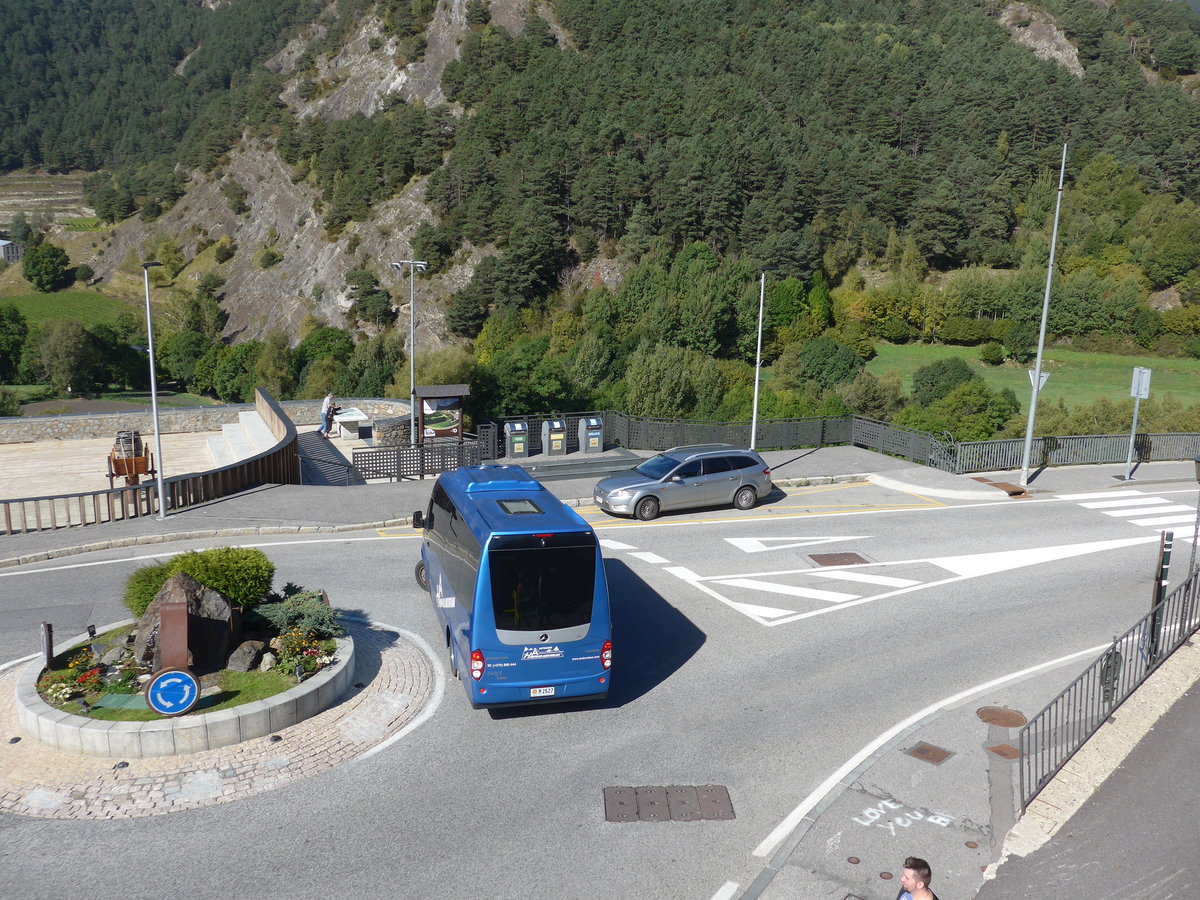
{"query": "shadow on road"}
(651, 640)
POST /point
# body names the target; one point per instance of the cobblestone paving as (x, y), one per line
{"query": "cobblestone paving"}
(36, 780)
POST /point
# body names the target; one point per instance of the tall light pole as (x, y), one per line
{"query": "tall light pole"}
(158, 468)
(418, 265)
(1036, 375)
(762, 291)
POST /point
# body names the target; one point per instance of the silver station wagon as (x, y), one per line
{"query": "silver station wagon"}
(687, 477)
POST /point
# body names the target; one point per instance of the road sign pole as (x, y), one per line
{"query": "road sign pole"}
(1139, 390)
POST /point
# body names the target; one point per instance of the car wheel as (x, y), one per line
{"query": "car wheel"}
(745, 498)
(422, 575)
(646, 509)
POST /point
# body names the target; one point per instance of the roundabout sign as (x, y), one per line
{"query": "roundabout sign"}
(172, 692)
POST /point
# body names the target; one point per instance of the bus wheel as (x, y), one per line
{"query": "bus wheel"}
(422, 575)
(646, 509)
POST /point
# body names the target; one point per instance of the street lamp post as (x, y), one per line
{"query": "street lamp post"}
(158, 468)
(418, 265)
(762, 290)
(1036, 375)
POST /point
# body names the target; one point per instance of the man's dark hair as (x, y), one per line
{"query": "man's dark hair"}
(920, 868)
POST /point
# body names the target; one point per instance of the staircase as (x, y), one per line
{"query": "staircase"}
(321, 463)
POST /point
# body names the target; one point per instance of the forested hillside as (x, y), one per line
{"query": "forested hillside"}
(894, 161)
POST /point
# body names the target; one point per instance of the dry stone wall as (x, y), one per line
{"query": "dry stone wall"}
(174, 421)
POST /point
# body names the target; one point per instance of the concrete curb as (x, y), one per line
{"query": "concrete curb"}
(948, 493)
(186, 734)
(245, 531)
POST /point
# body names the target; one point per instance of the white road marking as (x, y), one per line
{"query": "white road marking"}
(726, 891)
(615, 545)
(772, 588)
(796, 816)
(766, 612)
(758, 545)
(1168, 520)
(1147, 510)
(682, 572)
(1094, 496)
(847, 575)
(1132, 501)
(976, 564)
(649, 557)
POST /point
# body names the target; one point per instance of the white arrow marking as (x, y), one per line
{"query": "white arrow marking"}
(758, 545)
(989, 563)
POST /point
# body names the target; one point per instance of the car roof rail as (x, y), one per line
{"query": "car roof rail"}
(700, 448)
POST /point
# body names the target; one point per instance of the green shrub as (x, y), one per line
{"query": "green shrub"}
(991, 353)
(304, 611)
(144, 583)
(242, 574)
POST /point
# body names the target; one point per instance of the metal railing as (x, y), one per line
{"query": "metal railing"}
(993, 456)
(278, 465)
(647, 433)
(1053, 736)
(417, 461)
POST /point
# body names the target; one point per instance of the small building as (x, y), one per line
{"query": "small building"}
(11, 251)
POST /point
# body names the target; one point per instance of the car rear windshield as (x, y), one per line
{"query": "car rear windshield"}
(543, 589)
(658, 466)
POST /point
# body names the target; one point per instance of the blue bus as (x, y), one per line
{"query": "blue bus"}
(517, 581)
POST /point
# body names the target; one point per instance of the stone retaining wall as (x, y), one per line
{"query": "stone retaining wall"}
(27, 429)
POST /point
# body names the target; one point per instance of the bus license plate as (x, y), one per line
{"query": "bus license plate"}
(542, 692)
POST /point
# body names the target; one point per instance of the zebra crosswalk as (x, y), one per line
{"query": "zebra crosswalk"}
(1145, 510)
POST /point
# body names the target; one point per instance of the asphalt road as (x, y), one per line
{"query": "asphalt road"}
(739, 661)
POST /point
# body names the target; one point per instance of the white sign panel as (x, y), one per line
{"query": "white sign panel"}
(1141, 383)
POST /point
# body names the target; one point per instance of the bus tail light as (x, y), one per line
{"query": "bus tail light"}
(606, 655)
(477, 664)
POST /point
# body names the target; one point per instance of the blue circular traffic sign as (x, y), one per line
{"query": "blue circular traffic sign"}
(172, 692)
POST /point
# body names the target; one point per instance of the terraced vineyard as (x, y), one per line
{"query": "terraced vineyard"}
(61, 196)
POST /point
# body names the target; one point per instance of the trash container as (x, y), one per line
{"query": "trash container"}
(554, 437)
(516, 440)
(591, 435)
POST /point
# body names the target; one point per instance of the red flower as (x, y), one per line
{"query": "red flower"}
(88, 675)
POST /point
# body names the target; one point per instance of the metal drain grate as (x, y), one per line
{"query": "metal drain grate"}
(929, 753)
(1005, 751)
(676, 803)
(837, 559)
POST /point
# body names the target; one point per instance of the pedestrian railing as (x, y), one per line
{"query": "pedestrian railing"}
(1053, 736)
(418, 461)
(278, 465)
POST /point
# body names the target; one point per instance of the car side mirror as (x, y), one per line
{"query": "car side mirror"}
(678, 479)
(418, 519)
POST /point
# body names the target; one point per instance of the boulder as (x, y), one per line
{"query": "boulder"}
(245, 657)
(269, 661)
(210, 621)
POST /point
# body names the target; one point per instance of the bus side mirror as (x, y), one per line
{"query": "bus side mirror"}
(418, 520)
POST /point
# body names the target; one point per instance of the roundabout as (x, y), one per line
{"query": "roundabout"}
(390, 680)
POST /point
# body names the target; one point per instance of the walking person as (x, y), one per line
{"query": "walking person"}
(328, 411)
(914, 882)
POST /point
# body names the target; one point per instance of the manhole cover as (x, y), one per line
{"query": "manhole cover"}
(999, 715)
(837, 559)
(1005, 751)
(676, 803)
(929, 753)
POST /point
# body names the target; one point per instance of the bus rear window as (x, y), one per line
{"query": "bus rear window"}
(542, 589)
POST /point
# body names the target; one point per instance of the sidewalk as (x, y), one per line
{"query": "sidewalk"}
(961, 810)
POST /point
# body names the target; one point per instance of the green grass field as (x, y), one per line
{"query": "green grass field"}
(86, 307)
(1078, 378)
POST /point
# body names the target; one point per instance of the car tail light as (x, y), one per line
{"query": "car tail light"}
(767, 470)
(477, 664)
(606, 655)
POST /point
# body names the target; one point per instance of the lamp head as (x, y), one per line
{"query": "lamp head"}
(150, 264)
